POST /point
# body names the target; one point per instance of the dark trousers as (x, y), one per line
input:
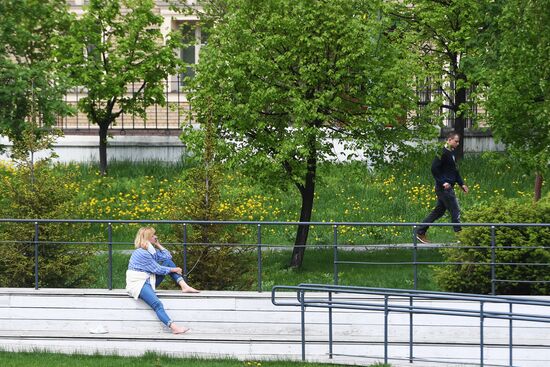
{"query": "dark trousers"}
(446, 200)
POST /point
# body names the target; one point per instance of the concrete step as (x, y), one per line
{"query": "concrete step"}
(247, 325)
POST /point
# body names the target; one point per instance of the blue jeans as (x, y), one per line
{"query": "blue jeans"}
(446, 200)
(175, 276)
(150, 297)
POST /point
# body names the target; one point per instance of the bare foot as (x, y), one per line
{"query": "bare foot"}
(189, 289)
(178, 329)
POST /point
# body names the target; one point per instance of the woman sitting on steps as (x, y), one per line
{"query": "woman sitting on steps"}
(146, 270)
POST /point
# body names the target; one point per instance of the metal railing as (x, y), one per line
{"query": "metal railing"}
(170, 116)
(259, 244)
(387, 307)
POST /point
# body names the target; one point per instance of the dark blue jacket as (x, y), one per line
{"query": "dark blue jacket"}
(444, 169)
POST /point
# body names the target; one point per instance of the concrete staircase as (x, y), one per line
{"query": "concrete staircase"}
(247, 326)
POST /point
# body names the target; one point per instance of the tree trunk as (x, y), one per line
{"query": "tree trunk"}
(305, 216)
(460, 120)
(103, 127)
(307, 192)
(538, 186)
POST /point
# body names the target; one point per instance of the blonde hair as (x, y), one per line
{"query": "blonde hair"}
(142, 237)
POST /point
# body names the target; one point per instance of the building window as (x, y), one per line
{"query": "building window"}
(193, 40)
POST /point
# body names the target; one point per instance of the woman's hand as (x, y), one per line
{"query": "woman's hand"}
(176, 270)
(155, 241)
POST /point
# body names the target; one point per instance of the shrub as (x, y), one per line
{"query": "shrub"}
(216, 264)
(514, 245)
(47, 195)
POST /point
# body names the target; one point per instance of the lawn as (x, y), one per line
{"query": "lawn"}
(43, 359)
(345, 192)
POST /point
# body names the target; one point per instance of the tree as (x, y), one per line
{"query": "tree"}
(283, 80)
(32, 83)
(113, 45)
(518, 94)
(446, 31)
(200, 199)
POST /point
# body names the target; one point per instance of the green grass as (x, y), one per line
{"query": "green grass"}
(317, 268)
(101, 270)
(344, 192)
(43, 359)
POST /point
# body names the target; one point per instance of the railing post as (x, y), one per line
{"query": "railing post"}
(167, 105)
(411, 326)
(330, 325)
(303, 323)
(386, 312)
(481, 336)
(156, 115)
(77, 99)
(493, 260)
(259, 257)
(65, 120)
(35, 255)
(178, 92)
(335, 247)
(415, 264)
(185, 275)
(110, 231)
(510, 341)
(415, 285)
(133, 114)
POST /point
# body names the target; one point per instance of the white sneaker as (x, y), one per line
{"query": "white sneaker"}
(99, 329)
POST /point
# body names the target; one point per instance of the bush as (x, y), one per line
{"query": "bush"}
(216, 264)
(41, 193)
(514, 245)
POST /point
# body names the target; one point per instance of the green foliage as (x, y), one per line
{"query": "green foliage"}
(518, 92)
(282, 78)
(48, 195)
(32, 83)
(513, 245)
(447, 35)
(215, 263)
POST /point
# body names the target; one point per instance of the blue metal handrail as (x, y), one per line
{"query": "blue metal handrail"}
(330, 303)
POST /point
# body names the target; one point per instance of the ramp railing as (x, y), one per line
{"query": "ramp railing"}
(391, 301)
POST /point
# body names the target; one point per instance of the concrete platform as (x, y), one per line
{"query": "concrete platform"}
(247, 326)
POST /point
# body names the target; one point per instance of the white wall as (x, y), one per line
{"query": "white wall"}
(84, 148)
(167, 148)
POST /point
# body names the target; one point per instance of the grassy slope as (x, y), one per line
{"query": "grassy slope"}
(344, 192)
